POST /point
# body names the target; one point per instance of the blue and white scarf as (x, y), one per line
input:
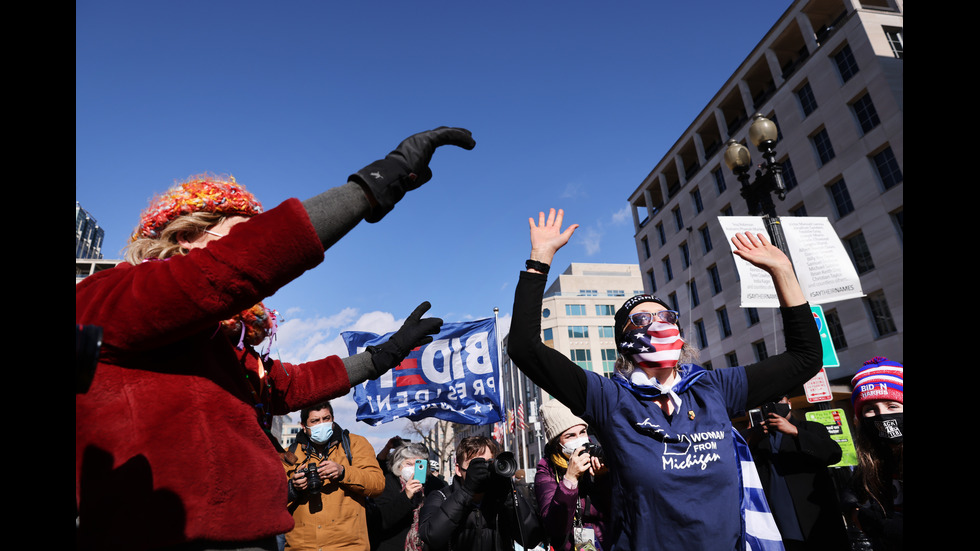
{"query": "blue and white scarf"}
(759, 531)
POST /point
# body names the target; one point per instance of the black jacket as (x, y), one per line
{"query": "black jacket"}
(802, 463)
(449, 520)
(390, 515)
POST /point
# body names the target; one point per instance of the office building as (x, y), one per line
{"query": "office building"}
(88, 235)
(829, 74)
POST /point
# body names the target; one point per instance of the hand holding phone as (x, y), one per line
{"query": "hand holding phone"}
(421, 470)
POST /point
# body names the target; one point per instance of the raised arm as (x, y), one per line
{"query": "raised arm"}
(547, 367)
(770, 378)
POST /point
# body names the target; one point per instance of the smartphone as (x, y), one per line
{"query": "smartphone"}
(421, 469)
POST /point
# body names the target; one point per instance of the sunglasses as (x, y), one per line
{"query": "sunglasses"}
(643, 319)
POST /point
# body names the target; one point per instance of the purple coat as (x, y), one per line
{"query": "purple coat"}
(556, 503)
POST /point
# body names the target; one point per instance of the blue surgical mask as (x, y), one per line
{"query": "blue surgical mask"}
(321, 433)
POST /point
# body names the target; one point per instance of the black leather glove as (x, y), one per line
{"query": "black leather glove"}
(407, 167)
(415, 332)
(477, 476)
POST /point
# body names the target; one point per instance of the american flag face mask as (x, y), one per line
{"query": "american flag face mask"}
(655, 346)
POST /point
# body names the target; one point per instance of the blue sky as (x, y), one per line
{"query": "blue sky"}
(571, 104)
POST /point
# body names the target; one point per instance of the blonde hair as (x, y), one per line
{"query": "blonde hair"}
(167, 245)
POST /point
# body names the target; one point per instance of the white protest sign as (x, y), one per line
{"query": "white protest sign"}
(757, 288)
(825, 271)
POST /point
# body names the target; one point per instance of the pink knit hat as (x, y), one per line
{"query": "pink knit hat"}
(203, 193)
(878, 379)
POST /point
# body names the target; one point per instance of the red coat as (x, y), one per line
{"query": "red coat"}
(167, 444)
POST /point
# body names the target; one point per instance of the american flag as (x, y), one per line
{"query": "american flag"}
(510, 421)
(520, 416)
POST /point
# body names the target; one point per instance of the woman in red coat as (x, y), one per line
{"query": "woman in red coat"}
(171, 442)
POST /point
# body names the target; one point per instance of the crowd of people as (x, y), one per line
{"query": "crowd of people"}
(174, 448)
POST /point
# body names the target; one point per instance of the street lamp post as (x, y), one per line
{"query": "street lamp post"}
(768, 177)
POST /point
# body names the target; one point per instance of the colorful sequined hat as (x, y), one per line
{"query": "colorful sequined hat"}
(878, 379)
(204, 193)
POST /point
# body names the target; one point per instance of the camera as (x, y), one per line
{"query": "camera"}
(595, 450)
(504, 465)
(314, 484)
(758, 416)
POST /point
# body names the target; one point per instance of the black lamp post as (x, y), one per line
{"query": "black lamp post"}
(768, 177)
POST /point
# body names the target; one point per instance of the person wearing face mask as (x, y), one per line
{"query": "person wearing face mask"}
(392, 515)
(875, 496)
(664, 423)
(331, 473)
(571, 485)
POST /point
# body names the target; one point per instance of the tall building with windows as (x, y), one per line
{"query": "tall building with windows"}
(829, 73)
(577, 318)
(88, 235)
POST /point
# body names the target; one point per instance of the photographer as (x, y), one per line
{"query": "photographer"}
(571, 483)
(477, 512)
(792, 457)
(331, 472)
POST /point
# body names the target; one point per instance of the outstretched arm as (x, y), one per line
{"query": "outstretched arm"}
(547, 367)
(770, 378)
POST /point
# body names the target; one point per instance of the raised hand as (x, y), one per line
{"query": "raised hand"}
(547, 236)
(758, 251)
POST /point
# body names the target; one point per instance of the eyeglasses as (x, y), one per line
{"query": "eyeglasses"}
(643, 319)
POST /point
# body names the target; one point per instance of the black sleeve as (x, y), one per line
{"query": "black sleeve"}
(442, 514)
(769, 379)
(392, 507)
(547, 367)
(814, 441)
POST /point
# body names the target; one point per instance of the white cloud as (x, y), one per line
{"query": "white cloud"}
(589, 238)
(622, 216)
(573, 190)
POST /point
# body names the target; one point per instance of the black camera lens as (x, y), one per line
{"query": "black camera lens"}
(504, 465)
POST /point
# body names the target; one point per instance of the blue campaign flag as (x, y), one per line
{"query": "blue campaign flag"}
(454, 378)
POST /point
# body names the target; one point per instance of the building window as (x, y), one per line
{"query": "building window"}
(731, 359)
(705, 239)
(545, 313)
(646, 247)
(724, 325)
(727, 211)
(606, 332)
(759, 347)
(881, 315)
(702, 334)
(692, 291)
(685, 256)
(751, 316)
(887, 168)
(799, 210)
(668, 271)
(574, 309)
(715, 277)
(588, 292)
(605, 310)
(860, 254)
(836, 329)
(696, 201)
(846, 65)
(719, 180)
(672, 298)
(807, 101)
(895, 40)
(662, 234)
(549, 334)
(678, 218)
(822, 146)
(582, 357)
(653, 281)
(865, 113)
(789, 175)
(608, 361)
(615, 293)
(578, 331)
(841, 198)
